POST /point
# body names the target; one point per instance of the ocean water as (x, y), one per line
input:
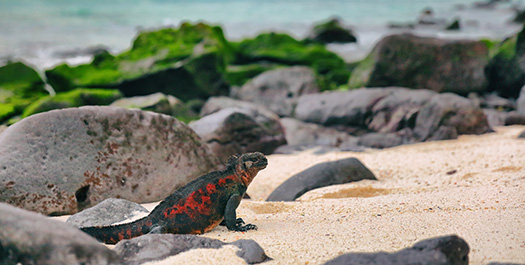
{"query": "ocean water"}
(47, 32)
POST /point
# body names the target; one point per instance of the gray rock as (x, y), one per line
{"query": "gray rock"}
(321, 175)
(521, 101)
(493, 101)
(349, 108)
(279, 89)
(31, 238)
(152, 247)
(300, 133)
(449, 110)
(505, 263)
(259, 113)
(380, 140)
(233, 130)
(448, 250)
(515, 118)
(63, 161)
(107, 212)
(398, 110)
(495, 117)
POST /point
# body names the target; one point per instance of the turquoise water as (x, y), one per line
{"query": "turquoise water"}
(36, 30)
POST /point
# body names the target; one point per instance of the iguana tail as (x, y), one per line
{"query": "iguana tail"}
(114, 233)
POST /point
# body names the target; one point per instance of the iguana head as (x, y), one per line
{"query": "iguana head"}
(248, 165)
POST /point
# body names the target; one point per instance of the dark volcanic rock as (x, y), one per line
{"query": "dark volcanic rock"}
(234, 130)
(448, 250)
(62, 161)
(279, 89)
(427, 63)
(332, 31)
(321, 175)
(449, 112)
(107, 212)
(160, 246)
(30, 238)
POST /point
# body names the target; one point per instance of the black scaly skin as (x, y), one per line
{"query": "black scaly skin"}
(197, 207)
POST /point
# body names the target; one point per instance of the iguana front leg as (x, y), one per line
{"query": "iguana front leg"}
(230, 216)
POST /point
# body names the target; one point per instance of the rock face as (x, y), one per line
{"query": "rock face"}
(159, 246)
(187, 62)
(321, 175)
(332, 31)
(279, 89)
(448, 250)
(234, 131)
(62, 161)
(424, 63)
(400, 115)
(30, 238)
(108, 212)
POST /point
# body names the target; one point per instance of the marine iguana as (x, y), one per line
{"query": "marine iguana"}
(195, 208)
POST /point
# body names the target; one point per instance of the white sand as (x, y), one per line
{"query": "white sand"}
(472, 187)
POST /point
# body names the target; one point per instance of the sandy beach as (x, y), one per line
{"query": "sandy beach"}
(472, 187)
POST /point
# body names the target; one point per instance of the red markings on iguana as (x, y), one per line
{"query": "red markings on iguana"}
(197, 207)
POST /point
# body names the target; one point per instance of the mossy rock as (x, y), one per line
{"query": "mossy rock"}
(74, 98)
(411, 61)
(187, 62)
(282, 49)
(332, 31)
(506, 69)
(20, 85)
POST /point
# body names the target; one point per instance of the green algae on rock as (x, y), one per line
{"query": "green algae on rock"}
(187, 62)
(20, 85)
(74, 98)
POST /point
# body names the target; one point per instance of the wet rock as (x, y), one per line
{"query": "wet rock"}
(448, 250)
(449, 110)
(234, 131)
(300, 133)
(160, 246)
(63, 161)
(321, 175)
(31, 238)
(332, 31)
(108, 212)
(279, 89)
(424, 63)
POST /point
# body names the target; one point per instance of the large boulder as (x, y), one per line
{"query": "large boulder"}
(62, 161)
(187, 62)
(279, 89)
(506, 70)
(447, 250)
(428, 63)
(234, 130)
(282, 49)
(31, 238)
(332, 31)
(20, 85)
(74, 98)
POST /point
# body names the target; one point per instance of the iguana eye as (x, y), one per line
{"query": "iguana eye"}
(248, 164)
